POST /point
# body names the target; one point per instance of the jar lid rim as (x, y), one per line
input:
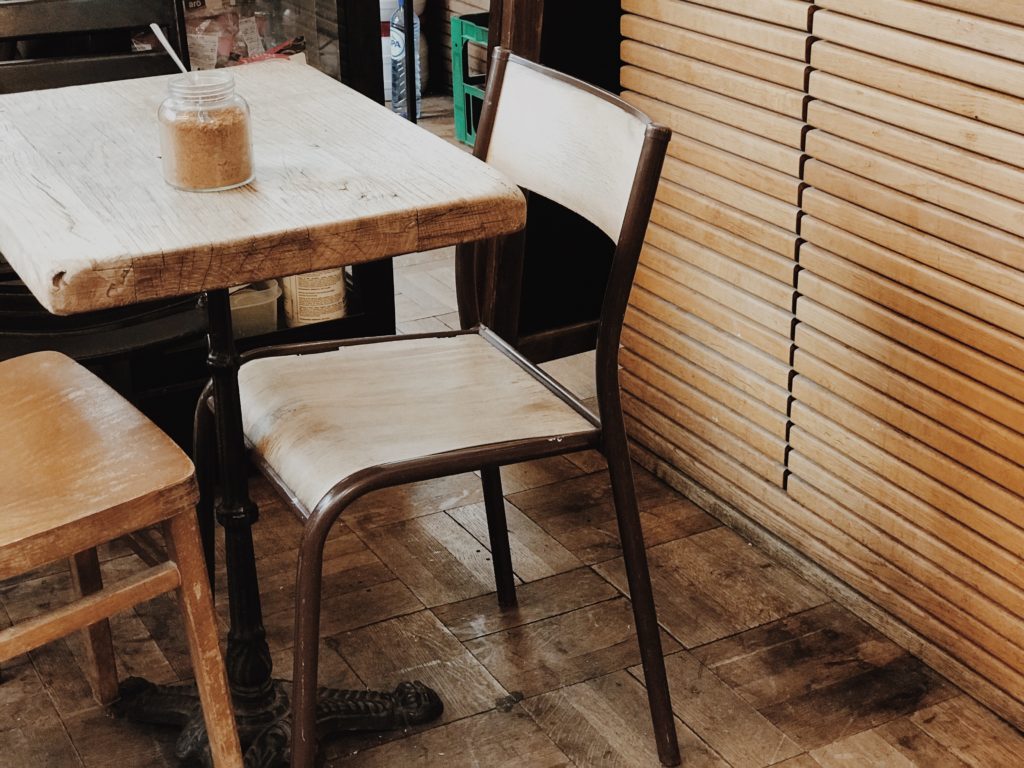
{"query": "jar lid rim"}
(207, 83)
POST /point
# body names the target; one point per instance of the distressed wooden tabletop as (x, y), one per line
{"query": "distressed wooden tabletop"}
(89, 223)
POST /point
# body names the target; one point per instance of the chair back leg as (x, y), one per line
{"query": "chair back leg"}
(99, 649)
(497, 531)
(641, 596)
(185, 550)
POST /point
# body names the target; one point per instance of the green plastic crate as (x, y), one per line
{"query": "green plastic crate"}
(467, 90)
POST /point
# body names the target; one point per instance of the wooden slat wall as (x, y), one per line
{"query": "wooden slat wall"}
(828, 326)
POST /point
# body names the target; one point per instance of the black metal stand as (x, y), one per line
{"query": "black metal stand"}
(261, 703)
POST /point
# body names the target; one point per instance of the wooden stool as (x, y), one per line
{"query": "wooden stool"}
(79, 466)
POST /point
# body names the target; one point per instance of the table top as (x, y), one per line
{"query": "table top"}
(88, 221)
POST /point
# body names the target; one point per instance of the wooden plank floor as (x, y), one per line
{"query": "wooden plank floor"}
(764, 669)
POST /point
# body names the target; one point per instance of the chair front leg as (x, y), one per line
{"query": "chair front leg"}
(306, 652)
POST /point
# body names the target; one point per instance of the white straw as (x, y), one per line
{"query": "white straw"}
(167, 45)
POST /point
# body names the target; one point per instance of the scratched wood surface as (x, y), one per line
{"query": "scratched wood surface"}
(89, 222)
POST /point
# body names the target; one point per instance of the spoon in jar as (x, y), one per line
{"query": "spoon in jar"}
(167, 45)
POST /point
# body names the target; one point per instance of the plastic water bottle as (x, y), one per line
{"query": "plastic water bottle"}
(399, 84)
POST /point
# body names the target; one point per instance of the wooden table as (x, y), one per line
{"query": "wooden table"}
(88, 223)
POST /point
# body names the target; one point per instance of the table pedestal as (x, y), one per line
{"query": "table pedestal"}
(261, 703)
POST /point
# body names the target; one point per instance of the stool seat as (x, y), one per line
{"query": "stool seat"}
(318, 419)
(79, 465)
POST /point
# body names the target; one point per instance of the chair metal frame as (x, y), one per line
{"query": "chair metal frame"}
(607, 436)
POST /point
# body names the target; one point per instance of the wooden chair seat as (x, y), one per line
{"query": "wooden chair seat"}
(317, 419)
(79, 465)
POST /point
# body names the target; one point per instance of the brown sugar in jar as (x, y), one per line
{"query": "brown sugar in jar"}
(205, 135)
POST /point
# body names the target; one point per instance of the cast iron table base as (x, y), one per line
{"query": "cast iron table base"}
(261, 703)
(264, 726)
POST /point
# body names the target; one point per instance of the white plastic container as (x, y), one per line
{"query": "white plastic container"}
(254, 308)
(314, 297)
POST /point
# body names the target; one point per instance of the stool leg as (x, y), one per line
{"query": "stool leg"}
(185, 550)
(99, 650)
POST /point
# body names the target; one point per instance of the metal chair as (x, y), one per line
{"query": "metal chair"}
(330, 422)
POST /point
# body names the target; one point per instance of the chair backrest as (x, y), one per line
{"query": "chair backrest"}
(587, 150)
(27, 21)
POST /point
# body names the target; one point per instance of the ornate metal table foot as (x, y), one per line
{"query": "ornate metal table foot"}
(264, 722)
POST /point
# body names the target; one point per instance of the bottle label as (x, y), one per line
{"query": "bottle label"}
(397, 43)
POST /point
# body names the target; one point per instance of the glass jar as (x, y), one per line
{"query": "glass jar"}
(205, 135)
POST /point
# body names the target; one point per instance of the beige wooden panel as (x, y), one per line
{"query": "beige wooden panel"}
(745, 88)
(776, 239)
(1005, 10)
(952, 602)
(995, 37)
(719, 304)
(647, 360)
(974, 202)
(683, 225)
(815, 525)
(778, 295)
(787, 131)
(948, 410)
(949, 320)
(931, 447)
(787, 13)
(692, 353)
(689, 324)
(727, 26)
(656, 389)
(731, 193)
(999, 312)
(739, 58)
(684, 421)
(923, 369)
(935, 346)
(975, 169)
(743, 143)
(945, 58)
(737, 169)
(989, 140)
(946, 93)
(970, 267)
(920, 529)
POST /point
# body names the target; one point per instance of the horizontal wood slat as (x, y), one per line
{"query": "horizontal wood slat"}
(980, 34)
(739, 58)
(727, 26)
(740, 142)
(944, 58)
(960, 131)
(745, 88)
(687, 351)
(975, 169)
(787, 131)
(969, 458)
(945, 93)
(945, 194)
